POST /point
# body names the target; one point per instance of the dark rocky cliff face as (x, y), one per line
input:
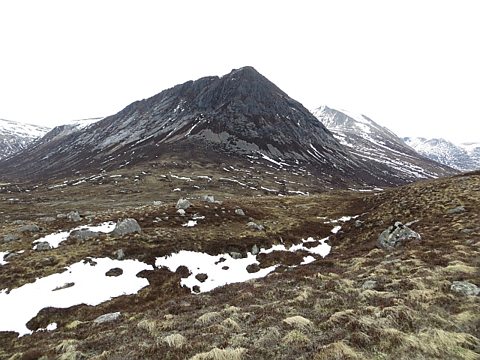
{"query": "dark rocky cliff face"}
(241, 115)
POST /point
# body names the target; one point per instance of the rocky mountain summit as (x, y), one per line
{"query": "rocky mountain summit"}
(464, 157)
(16, 136)
(241, 115)
(374, 143)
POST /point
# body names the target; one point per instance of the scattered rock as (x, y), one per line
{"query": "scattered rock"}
(208, 198)
(465, 288)
(183, 204)
(157, 203)
(253, 268)
(127, 226)
(369, 285)
(239, 212)
(196, 289)
(201, 277)
(29, 228)
(61, 216)
(254, 226)
(84, 234)
(48, 261)
(181, 212)
(119, 254)
(396, 235)
(236, 255)
(255, 250)
(358, 223)
(114, 272)
(64, 286)
(10, 237)
(108, 318)
(456, 210)
(73, 216)
(10, 256)
(43, 246)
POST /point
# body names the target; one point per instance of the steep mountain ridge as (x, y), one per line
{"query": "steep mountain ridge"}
(373, 142)
(240, 115)
(16, 136)
(464, 157)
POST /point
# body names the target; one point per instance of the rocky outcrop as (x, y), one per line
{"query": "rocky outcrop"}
(396, 235)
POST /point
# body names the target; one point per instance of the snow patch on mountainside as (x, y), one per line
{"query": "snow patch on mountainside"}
(464, 157)
(16, 136)
(373, 142)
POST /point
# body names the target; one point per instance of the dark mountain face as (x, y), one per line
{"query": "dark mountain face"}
(241, 115)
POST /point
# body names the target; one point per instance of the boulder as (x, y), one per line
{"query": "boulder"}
(43, 246)
(181, 212)
(465, 288)
(73, 216)
(119, 254)
(369, 285)
(10, 237)
(84, 234)
(456, 210)
(239, 212)
(255, 250)
(183, 204)
(208, 198)
(29, 228)
(254, 226)
(396, 235)
(126, 226)
(108, 318)
(236, 255)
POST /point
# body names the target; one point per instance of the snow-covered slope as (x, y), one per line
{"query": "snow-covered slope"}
(464, 157)
(16, 136)
(372, 142)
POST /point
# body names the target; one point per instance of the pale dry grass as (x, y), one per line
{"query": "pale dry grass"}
(296, 338)
(175, 340)
(298, 322)
(338, 351)
(151, 326)
(68, 345)
(221, 354)
(208, 318)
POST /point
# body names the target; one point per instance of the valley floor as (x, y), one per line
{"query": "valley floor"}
(358, 302)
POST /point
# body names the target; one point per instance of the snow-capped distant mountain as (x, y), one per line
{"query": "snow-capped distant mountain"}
(372, 142)
(464, 157)
(16, 136)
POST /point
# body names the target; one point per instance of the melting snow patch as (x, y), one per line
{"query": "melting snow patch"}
(223, 269)
(91, 287)
(2, 255)
(56, 238)
(190, 223)
(336, 229)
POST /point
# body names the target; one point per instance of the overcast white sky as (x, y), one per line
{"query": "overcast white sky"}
(410, 65)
